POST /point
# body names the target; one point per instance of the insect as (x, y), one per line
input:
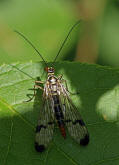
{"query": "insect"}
(57, 108)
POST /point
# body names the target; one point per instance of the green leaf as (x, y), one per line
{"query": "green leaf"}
(98, 103)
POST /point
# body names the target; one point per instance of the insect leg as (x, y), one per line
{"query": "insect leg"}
(38, 86)
(60, 77)
(40, 82)
(34, 89)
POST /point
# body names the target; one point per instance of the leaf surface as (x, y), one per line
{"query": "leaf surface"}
(98, 103)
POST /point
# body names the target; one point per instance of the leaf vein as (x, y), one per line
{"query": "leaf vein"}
(14, 111)
(105, 160)
(66, 155)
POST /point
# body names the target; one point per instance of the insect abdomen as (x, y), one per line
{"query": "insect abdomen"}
(59, 115)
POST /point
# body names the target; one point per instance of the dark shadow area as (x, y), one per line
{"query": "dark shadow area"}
(38, 101)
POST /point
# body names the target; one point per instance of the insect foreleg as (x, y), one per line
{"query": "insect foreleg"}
(40, 82)
(38, 86)
(64, 81)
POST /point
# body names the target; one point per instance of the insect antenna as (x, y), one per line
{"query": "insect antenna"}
(31, 45)
(66, 39)
(22, 71)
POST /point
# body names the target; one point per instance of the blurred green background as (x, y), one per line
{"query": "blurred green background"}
(47, 22)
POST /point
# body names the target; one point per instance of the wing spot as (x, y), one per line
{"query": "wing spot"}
(38, 128)
(81, 122)
(75, 122)
(67, 121)
(39, 148)
(50, 123)
(85, 140)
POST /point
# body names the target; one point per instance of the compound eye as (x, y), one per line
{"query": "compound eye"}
(46, 69)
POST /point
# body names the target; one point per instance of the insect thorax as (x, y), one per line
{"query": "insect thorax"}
(52, 79)
(52, 85)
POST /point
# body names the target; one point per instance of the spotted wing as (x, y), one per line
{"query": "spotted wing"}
(73, 120)
(45, 127)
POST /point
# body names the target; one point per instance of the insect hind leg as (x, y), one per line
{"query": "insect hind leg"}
(68, 88)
